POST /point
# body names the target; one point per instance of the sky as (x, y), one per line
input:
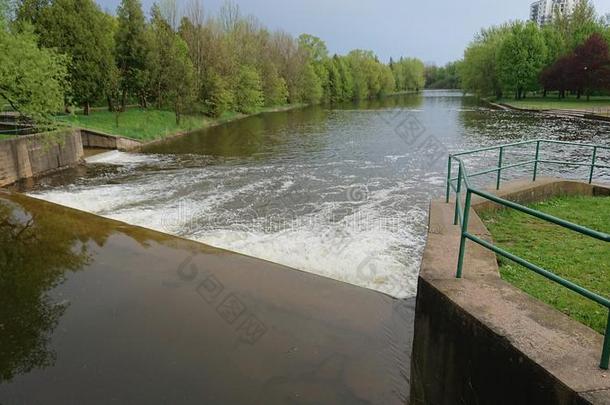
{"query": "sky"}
(434, 31)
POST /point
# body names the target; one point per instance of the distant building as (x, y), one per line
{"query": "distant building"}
(542, 11)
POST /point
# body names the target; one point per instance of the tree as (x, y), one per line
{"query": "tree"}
(249, 92)
(72, 27)
(275, 90)
(32, 79)
(221, 98)
(479, 70)
(311, 86)
(172, 72)
(521, 58)
(132, 51)
(591, 65)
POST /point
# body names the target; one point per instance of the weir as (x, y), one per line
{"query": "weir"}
(95, 310)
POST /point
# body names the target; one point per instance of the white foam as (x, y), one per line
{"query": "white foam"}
(116, 157)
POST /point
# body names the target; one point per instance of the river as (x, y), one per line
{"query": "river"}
(339, 192)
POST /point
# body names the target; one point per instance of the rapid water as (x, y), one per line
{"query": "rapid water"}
(338, 192)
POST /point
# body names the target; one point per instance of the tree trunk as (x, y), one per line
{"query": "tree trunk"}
(544, 93)
(86, 108)
(123, 100)
(110, 103)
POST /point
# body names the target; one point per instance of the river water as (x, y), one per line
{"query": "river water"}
(339, 192)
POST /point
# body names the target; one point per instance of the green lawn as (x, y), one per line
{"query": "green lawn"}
(6, 136)
(578, 258)
(600, 105)
(137, 124)
(152, 124)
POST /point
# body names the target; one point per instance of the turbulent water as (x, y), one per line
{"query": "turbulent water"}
(337, 192)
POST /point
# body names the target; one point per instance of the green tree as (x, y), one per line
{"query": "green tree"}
(521, 57)
(172, 74)
(132, 51)
(32, 79)
(311, 85)
(221, 97)
(72, 27)
(249, 91)
(479, 70)
(275, 89)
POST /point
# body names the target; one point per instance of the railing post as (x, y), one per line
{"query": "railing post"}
(448, 180)
(463, 238)
(536, 160)
(593, 164)
(606, 349)
(457, 196)
(499, 168)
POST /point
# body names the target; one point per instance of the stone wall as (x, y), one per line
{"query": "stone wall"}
(479, 340)
(27, 156)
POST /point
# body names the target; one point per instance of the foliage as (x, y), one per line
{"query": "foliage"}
(584, 70)
(249, 91)
(186, 61)
(409, 74)
(221, 97)
(32, 79)
(444, 77)
(520, 58)
(479, 71)
(73, 27)
(523, 58)
(172, 72)
(132, 51)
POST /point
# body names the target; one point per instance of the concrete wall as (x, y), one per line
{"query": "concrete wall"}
(32, 155)
(94, 139)
(479, 340)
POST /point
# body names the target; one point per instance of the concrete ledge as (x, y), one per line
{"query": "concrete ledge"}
(96, 139)
(32, 155)
(480, 340)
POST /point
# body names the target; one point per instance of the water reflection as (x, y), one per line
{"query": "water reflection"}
(37, 249)
(258, 136)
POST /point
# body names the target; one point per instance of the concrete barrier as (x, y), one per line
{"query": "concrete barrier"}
(95, 139)
(33, 155)
(479, 340)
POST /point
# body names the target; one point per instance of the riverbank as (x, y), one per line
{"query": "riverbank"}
(153, 125)
(597, 105)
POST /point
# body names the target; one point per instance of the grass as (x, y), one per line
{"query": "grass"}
(138, 124)
(2, 137)
(578, 258)
(147, 125)
(599, 105)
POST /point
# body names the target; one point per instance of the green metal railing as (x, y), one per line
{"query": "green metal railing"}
(461, 184)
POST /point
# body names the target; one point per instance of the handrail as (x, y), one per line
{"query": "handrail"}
(462, 213)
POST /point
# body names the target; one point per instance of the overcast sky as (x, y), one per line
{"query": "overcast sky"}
(434, 31)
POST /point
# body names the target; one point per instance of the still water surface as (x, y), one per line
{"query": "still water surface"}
(338, 192)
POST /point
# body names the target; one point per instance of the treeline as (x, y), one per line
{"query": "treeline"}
(183, 60)
(570, 54)
(443, 77)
